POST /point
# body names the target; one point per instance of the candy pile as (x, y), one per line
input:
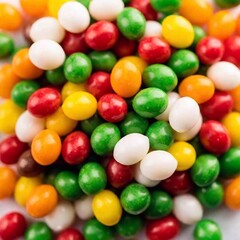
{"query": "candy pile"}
(124, 114)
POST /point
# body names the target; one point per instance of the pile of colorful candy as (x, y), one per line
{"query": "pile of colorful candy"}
(124, 113)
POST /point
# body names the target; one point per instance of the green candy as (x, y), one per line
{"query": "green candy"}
(205, 170)
(160, 76)
(90, 124)
(160, 135)
(56, 76)
(66, 183)
(92, 178)
(227, 3)
(38, 231)
(230, 163)
(22, 91)
(160, 206)
(85, 2)
(199, 34)
(104, 138)
(207, 230)
(195, 142)
(50, 176)
(6, 45)
(150, 102)
(184, 63)
(166, 7)
(103, 61)
(94, 230)
(133, 123)
(129, 226)
(131, 23)
(135, 198)
(211, 196)
(77, 68)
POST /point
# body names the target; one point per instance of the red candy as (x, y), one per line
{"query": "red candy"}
(232, 50)
(70, 234)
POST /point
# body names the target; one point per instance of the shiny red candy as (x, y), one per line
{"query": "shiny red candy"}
(101, 35)
(75, 148)
(112, 107)
(99, 84)
(12, 226)
(218, 106)
(70, 234)
(210, 50)
(11, 149)
(154, 50)
(165, 228)
(214, 137)
(44, 102)
(178, 183)
(232, 50)
(118, 175)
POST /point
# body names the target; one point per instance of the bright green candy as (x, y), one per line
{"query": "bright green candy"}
(133, 123)
(103, 61)
(6, 45)
(131, 23)
(227, 3)
(160, 135)
(22, 91)
(56, 76)
(92, 178)
(104, 138)
(90, 124)
(205, 170)
(211, 196)
(129, 226)
(150, 102)
(38, 231)
(166, 7)
(94, 230)
(199, 34)
(230, 163)
(207, 230)
(184, 63)
(135, 198)
(66, 183)
(77, 68)
(160, 76)
(161, 205)
(85, 2)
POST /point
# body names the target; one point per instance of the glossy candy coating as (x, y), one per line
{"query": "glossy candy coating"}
(38, 231)
(232, 48)
(56, 76)
(90, 124)
(231, 194)
(36, 9)
(70, 234)
(83, 208)
(6, 45)
(69, 88)
(166, 7)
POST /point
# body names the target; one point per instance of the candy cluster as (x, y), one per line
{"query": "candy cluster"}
(124, 114)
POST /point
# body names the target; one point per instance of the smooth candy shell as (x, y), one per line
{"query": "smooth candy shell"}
(83, 208)
(131, 149)
(153, 29)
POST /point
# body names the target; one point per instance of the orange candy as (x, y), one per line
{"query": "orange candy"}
(36, 8)
(232, 194)
(46, 147)
(42, 201)
(238, 26)
(10, 18)
(198, 12)
(235, 93)
(23, 67)
(8, 180)
(198, 87)
(7, 80)
(222, 25)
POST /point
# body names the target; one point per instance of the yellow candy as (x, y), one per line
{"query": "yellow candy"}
(54, 6)
(60, 123)
(137, 61)
(70, 88)
(232, 123)
(80, 106)
(24, 188)
(184, 153)
(107, 208)
(9, 113)
(178, 31)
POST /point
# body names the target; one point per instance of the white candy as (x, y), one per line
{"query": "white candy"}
(184, 114)
(131, 149)
(61, 217)
(47, 28)
(46, 54)
(28, 126)
(140, 178)
(105, 9)
(190, 134)
(187, 209)
(74, 17)
(158, 165)
(172, 98)
(153, 29)
(83, 208)
(225, 75)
